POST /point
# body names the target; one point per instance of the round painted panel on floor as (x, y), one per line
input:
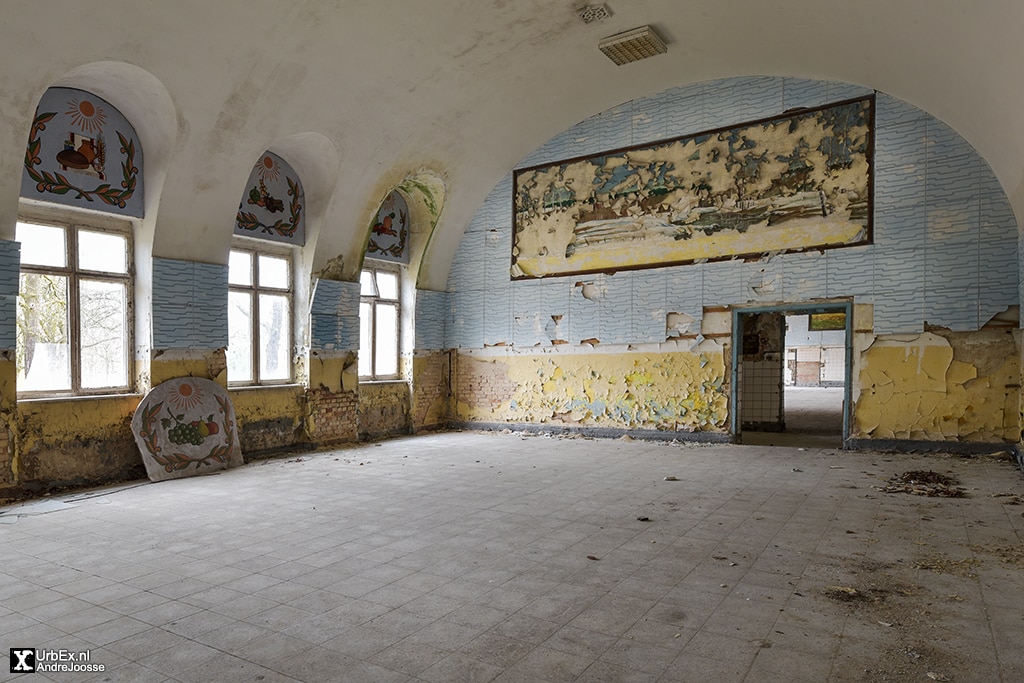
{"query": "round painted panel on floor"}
(184, 427)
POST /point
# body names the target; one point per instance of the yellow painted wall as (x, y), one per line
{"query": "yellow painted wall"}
(954, 386)
(78, 440)
(685, 391)
(269, 417)
(383, 409)
(210, 365)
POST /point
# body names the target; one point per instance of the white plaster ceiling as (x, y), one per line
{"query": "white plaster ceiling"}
(362, 94)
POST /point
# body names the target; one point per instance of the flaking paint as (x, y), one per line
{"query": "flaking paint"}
(269, 417)
(940, 387)
(680, 391)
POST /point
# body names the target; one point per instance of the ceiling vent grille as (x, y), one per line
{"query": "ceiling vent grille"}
(591, 13)
(633, 45)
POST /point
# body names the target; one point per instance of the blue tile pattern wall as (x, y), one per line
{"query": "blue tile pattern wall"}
(190, 305)
(334, 316)
(10, 264)
(944, 253)
(431, 315)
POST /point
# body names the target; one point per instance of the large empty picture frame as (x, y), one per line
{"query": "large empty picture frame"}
(795, 182)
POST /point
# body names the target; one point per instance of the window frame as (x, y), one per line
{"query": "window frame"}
(374, 300)
(75, 273)
(254, 290)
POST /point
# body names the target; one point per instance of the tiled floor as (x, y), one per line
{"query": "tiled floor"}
(508, 557)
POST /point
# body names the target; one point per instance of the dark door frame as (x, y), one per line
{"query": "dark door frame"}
(797, 308)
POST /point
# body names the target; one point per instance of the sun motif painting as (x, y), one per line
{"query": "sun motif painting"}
(795, 182)
(186, 426)
(273, 206)
(81, 151)
(185, 395)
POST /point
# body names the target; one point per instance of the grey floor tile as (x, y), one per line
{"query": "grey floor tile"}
(465, 557)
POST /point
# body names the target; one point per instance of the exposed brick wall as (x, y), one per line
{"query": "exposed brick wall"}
(808, 373)
(6, 471)
(481, 383)
(431, 391)
(334, 416)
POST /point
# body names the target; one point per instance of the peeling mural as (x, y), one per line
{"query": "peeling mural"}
(937, 387)
(784, 184)
(676, 391)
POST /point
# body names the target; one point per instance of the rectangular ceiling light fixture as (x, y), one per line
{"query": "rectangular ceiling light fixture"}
(633, 45)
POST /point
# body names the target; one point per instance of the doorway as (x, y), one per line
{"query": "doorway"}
(791, 374)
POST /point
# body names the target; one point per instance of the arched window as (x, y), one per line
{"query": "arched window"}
(74, 330)
(380, 290)
(269, 225)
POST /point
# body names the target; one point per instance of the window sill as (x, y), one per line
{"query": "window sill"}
(78, 397)
(259, 387)
(397, 380)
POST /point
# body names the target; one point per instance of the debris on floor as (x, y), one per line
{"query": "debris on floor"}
(923, 483)
(941, 564)
(670, 478)
(1011, 498)
(844, 593)
(1007, 554)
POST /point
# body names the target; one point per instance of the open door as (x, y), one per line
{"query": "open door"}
(761, 376)
(791, 374)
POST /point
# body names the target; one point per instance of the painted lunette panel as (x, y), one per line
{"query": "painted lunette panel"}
(83, 152)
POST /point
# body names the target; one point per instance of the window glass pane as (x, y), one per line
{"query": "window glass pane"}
(386, 342)
(240, 268)
(102, 251)
(365, 339)
(274, 272)
(239, 354)
(41, 245)
(387, 285)
(103, 311)
(275, 337)
(366, 286)
(44, 359)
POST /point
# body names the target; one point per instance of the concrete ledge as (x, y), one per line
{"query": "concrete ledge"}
(598, 432)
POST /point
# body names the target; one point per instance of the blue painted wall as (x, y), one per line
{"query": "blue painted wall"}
(944, 252)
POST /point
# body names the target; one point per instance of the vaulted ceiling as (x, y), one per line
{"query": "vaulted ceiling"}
(360, 95)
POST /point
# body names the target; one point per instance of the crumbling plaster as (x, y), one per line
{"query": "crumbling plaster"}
(669, 390)
(940, 386)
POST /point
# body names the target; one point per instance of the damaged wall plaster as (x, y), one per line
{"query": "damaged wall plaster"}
(384, 409)
(677, 391)
(431, 390)
(948, 386)
(268, 418)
